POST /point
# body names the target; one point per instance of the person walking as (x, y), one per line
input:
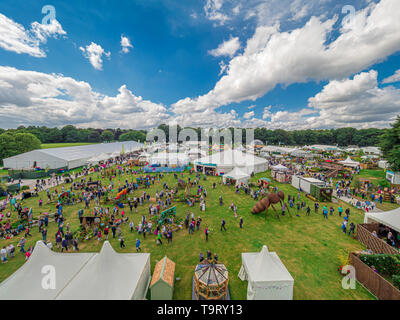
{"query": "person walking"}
(223, 225)
(206, 233)
(121, 241)
(241, 223)
(138, 245)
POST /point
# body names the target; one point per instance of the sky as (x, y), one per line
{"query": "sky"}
(135, 64)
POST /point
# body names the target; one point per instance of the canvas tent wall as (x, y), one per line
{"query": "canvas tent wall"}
(387, 218)
(111, 276)
(83, 276)
(237, 175)
(226, 161)
(267, 276)
(26, 282)
(304, 184)
(70, 157)
(349, 163)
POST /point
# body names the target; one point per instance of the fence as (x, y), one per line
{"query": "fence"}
(375, 283)
(365, 236)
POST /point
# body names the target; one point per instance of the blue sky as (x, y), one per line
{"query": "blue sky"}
(272, 74)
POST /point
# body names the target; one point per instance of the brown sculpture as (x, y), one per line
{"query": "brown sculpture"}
(269, 200)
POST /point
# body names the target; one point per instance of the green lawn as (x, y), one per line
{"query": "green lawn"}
(373, 174)
(310, 247)
(62, 145)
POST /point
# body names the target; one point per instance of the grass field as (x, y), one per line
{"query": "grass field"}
(310, 247)
(62, 145)
(373, 175)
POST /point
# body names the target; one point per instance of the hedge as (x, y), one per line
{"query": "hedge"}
(388, 264)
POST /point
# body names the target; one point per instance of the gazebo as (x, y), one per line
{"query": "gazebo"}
(211, 282)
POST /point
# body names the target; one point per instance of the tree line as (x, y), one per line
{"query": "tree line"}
(342, 137)
(24, 139)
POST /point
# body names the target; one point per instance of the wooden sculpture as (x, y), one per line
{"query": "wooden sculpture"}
(269, 200)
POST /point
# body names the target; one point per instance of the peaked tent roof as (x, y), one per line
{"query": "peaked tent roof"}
(109, 275)
(349, 162)
(265, 266)
(26, 282)
(280, 167)
(388, 218)
(237, 174)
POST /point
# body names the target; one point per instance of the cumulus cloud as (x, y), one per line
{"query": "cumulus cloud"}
(392, 79)
(14, 37)
(125, 44)
(357, 101)
(265, 13)
(35, 98)
(94, 54)
(248, 115)
(226, 48)
(272, 57)
(212, 9)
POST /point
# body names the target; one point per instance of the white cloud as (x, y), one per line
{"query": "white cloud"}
(94, 53)
(248, 115)
(226, 48)
(212, 9)
(14, 37)
(392, 79)
(267, 112)
(273, 57)
(125, 44)
(35, 98)
(356, 102)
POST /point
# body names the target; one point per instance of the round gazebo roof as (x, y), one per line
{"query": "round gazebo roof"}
(211, 274)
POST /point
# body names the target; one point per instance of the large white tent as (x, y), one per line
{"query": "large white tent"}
(237, 175)
(387, 218)
(349, 163)
(111, 276)
(267, 276)
(169, 159)
(226, 161)
(86, 276)
(68, 157)
(280, 168)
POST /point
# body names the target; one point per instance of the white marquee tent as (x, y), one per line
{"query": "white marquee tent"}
(388, 218)
(111, 276)
(70, 157)
(86, 276)
(237, 175)
(349, 163)
(169, 159)
(279, 168)
(226, 161)
(267, 276)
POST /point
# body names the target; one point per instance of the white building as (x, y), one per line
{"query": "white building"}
(68, 157)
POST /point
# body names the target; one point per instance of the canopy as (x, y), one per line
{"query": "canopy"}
(84, 276)
(268, 277)
(388, 218)
(279, 167)
(349, 162)
(238, 175)
(26, 282)
(111, 276)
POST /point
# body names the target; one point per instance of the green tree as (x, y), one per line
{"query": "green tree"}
(390, 145)
(107, 135)
(12, 143)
